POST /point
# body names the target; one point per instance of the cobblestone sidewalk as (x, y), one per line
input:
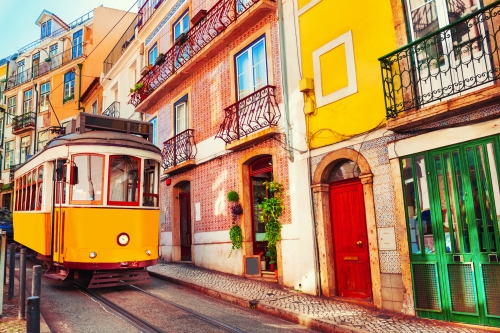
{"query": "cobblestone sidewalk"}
(339, 316)
(8, 321)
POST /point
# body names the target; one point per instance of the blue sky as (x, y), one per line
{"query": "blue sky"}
(17, 18)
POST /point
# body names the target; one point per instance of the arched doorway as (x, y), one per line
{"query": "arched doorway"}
(349, 232)
(185, 220)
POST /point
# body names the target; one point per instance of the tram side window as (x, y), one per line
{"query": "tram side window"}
(39, 185)
(124, 180)
(18, 193)
(33, 191)
(90, 177)
(61, 187)
(150, 191)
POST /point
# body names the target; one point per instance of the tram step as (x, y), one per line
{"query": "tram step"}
(57, 272)
(102, 279)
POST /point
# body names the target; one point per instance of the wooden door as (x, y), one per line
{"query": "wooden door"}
(352, 261)
(185, 218)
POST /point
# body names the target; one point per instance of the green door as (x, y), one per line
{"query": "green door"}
(456, 275)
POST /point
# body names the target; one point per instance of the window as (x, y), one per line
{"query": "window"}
(11, 109)
(61, 186)
(150, 191)
(46, 29)
(153, 54)
(35, 63)
(39, 185)
(69, 86)
(251, 68)
(44, 97)
(90, 176)
(25, 149)
(43, 138)
(181, 115)
(28, 101)
(77, 44)
(20, 72)
(94, 107)
(181, 25)
(9, 154)
(53, 50)
(155, 138)
(124, 180)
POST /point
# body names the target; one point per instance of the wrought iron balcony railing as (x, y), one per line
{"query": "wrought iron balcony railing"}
(45, 67)
(56, 33)
(250, 114)
(24, 121)
(120, 47)
(178, 149)
(146, 11)
(113, 110)
(218, 18)
(12, 171)
(459, 57)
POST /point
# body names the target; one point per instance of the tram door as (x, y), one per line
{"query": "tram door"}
(59, 215)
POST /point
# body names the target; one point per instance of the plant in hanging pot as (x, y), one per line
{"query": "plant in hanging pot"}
(236, 209)
(160, 60)
(48, 59)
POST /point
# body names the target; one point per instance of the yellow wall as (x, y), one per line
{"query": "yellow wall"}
(373, 36)
(3, 70)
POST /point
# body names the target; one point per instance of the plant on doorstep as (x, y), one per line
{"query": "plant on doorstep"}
(235, 233)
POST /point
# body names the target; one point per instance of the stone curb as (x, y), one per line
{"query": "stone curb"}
(261, 306)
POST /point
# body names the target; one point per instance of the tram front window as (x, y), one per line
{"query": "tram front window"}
(90, 174)
(150, 191)
(124, 177)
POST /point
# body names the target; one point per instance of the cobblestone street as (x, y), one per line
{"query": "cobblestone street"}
(330, 312)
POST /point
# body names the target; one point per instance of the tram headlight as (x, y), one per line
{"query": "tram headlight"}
(123, 239)
(148, 252)
(92, 255)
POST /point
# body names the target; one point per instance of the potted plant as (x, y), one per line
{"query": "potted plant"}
(271, 254)
(160, 60)
(138, 86)
(236, 209)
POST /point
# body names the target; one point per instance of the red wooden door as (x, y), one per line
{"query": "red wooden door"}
(352, 261)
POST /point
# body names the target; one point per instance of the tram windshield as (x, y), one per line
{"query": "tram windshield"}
(90, 176)
(150, 191)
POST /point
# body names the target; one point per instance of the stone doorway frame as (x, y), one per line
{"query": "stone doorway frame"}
(176, 220)
(321, 192)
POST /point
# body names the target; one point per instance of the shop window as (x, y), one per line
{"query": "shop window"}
(124, 180)
(90, 173)
(251, 68)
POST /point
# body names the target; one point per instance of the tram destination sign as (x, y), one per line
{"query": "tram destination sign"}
(88, 122)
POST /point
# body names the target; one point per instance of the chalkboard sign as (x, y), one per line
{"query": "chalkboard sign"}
(252, 265)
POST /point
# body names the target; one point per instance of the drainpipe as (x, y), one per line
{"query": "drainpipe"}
(35, 136)
(284, 78)
(80, 87)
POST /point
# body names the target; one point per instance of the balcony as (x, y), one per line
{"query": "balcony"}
(433, 78)
(113, 110)
(59, 32)
(12, 171)
(179, 152)
(23, 123)
(223, 23)
(50, 64)
(251, 119)
(120, 47)
(146, 11)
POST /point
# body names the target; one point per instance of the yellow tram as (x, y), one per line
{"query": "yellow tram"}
(88, 202)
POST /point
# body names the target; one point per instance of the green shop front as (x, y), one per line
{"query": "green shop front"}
(452, 202)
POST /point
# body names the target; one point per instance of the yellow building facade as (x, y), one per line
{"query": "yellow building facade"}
(340, 56)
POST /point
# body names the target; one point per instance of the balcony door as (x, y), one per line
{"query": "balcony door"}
(454, 60)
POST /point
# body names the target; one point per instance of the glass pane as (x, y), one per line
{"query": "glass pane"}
(150, 187)
(453, 163)
(411, 206)
(423, 199)
(259, 65)
(90, 173)
(488, 199)
(124, 179)
(424, 17)
(180, 118)
(177, 30)
(259, 194)
(344, 170)
(245, 85)
(185, 23)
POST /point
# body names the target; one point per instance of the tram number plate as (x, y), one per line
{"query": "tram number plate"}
(351, 258)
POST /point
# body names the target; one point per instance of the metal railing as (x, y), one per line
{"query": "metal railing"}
(146, 11)
(45, 67)
(189, 44)
(178, 149)
(461, 56)
(26, 120)
(120, 47)
(56, 33)
(113, 110)
(250, 114)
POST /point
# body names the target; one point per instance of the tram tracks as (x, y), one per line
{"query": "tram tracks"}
(146, 325)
